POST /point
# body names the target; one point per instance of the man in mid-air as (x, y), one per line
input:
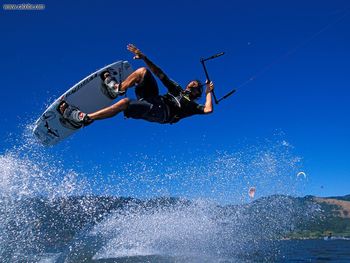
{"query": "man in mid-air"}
(177, 104)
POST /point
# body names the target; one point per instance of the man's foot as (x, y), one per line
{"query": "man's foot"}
(112, 86)
(74, 115)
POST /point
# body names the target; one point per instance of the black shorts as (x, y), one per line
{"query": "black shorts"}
(147, 88)
(149, 105)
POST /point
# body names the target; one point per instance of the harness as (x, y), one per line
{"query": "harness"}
(176, 102)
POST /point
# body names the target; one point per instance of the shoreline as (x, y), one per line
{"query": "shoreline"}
(317, 238)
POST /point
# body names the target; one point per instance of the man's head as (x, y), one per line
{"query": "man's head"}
(195, 89)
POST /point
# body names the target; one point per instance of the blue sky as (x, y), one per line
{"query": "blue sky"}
(303, 97)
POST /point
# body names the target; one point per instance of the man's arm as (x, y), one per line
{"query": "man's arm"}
(208, 106)
(139, 55)
(172, 86)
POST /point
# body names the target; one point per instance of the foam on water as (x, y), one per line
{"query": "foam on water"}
(28, 172)
(158, 231)
(198, 229)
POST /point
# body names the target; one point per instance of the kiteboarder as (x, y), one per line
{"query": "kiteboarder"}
(177, 104)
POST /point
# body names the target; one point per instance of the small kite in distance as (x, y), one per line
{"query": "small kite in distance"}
(251, 192)
(301, 174)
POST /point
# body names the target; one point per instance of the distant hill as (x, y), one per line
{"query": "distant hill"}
(344, 198)
(310, 216)
(341, 207)
(332, 219)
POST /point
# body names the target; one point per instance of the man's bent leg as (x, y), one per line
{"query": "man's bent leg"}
(134, 78)
(143, 78)
(147, 88)
(110, 111)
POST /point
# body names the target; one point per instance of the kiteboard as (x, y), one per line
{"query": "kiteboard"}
(88, 95)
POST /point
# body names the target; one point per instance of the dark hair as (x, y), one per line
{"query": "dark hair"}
(199, 88)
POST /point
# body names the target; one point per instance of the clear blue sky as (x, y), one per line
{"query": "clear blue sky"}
(304, 96)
